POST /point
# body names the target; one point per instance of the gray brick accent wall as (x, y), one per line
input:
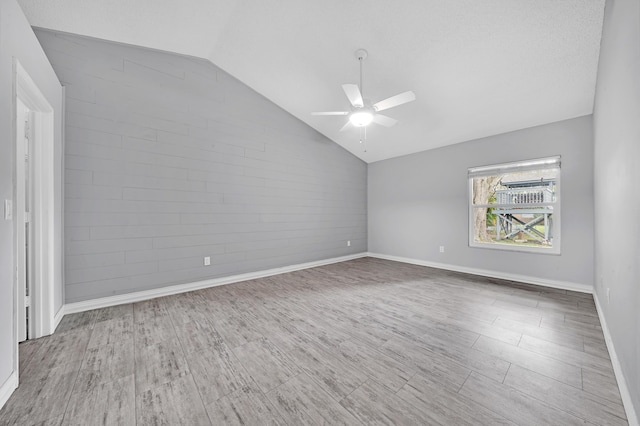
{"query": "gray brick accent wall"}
(169, 159)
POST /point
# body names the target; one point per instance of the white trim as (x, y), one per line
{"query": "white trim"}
(7, 388)
(19, 216)
(58, 317)
(552, 162)
(516, 167)
(11, 384)
(627, 401)
(43, 202)
(552, 251)
(63, 148)
(183, 288)
(563, 285)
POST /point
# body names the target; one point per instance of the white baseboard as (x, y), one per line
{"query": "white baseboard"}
(563, 285)
(58, 317)
(632, 417)
(183, 288)
(7, 388)
(11, 384)
(629, 409)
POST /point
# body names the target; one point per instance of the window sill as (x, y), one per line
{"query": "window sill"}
(507, 247)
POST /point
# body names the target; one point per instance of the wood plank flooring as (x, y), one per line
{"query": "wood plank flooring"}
(361, 342)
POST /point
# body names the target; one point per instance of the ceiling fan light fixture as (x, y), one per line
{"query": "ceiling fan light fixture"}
(361, 118)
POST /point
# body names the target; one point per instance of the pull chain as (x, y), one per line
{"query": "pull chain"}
(363, 138)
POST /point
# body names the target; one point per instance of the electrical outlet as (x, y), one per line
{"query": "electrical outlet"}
(608, 295)
(207, 260)
(441, 249)
(349, 243)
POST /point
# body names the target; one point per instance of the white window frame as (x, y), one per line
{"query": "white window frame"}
(517, 166)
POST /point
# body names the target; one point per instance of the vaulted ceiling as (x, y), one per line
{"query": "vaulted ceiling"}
(478, 68)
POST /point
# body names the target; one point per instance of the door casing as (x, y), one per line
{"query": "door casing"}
(42, 209)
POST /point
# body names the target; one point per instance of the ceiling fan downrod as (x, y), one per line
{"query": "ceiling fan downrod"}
(361, 55)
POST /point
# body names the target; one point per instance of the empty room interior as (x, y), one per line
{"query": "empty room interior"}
(361, 212)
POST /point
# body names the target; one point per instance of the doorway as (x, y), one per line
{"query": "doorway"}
(33, 210)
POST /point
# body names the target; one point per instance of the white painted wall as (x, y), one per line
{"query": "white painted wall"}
(18, 41)
(617, 186)
(419, 202)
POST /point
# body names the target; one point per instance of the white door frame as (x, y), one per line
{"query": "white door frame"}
(23, 114)
(42, 217)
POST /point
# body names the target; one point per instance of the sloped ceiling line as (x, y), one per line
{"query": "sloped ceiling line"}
(477, 68)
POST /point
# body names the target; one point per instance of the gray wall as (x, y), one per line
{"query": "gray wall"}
(420, 202)
(169, 159)
(617, 183)
(18, 41)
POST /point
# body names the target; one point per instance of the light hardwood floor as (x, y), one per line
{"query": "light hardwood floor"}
(361, 342)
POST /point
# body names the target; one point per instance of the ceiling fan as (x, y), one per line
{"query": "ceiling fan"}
(363, 112)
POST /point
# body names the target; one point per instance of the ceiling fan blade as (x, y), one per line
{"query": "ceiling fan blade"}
(347, 126)
(384, 120)
(331, 113)
(354, 95)
(394, 101)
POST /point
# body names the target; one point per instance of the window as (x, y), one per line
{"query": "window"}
(516, 206)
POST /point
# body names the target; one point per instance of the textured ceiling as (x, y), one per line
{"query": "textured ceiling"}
(478, 68)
